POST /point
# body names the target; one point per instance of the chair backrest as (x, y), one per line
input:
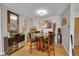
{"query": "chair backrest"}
(30, 36)
(50, 38)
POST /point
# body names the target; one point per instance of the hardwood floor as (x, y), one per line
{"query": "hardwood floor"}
(76, 51)
(59, 51)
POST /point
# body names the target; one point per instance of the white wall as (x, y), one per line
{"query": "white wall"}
(0, 28)
(29, 24)
(72, 16)
(36, 23)
(57, 20)
(66, 29)
(22, 22)
(0, 33)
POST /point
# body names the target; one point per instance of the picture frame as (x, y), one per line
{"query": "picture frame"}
(12, 21)
(45, 24)
(64, 21)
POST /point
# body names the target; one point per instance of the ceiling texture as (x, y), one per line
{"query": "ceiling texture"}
(29, 9)
(76, 7)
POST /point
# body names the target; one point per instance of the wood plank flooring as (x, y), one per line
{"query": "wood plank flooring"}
(59, 51)
(76, 51)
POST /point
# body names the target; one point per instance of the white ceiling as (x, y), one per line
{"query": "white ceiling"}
(77, 7)
(29, 9)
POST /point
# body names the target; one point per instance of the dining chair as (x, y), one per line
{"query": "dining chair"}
(49, 43)
(40, 43)
(32, 42)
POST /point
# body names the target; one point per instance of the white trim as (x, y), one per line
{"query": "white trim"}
(1, 53)
(65, 49)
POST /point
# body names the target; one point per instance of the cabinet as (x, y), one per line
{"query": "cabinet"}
(11, 44)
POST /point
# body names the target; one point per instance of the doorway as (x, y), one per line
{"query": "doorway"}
(76, 36)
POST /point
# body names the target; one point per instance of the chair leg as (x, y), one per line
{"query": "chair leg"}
(30, 48)
(53, 50)
(54, 53)
(48, 52)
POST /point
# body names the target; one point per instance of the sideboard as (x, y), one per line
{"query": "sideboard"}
(12, 44)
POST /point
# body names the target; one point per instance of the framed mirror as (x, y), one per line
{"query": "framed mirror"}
(12, 22)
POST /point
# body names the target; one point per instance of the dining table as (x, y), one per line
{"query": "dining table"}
(45, 35)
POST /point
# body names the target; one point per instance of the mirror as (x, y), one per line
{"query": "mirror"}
(12, 22)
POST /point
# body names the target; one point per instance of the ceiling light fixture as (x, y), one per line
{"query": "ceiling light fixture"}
(41, 12)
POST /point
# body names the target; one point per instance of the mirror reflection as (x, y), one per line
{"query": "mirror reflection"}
(12, 22)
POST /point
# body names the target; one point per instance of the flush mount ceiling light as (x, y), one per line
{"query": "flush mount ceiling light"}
(41, 12)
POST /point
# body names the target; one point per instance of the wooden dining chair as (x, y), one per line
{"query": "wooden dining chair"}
(32, 42)
(40, 43)
(50, 43)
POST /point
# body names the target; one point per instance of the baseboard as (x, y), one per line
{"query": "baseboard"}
(2, 53)
(65, 50)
